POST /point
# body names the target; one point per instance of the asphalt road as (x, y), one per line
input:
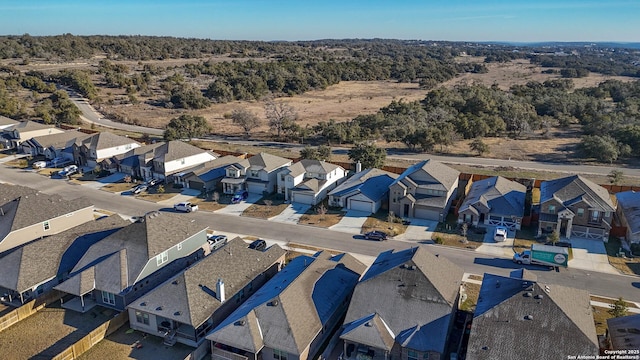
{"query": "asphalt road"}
(597, 283)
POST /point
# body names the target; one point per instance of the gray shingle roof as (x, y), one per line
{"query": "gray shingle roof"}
(31, 264)
(6, 121)
(267, 162)
(314, 166)
(373, 183)
(176, 149)
(214, 169)
(629, 203)
(523, 319)
(414, 292)
(291, 309)
(62, 140)
(190, 298)
(624, 332)
(25, 126)
(444, 176)
(22, 207)
(502, 196)
(574, 188)
(370, 331)
(120, 257)
(106, 140)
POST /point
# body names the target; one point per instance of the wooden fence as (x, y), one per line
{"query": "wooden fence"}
(94, 337)
(29, 309)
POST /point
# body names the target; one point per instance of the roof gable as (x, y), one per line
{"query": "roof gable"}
(569, 189)
(373, 183)
(268, 162)
(429, 172)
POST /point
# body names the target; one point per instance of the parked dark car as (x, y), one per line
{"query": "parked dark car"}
(239, 196)
(259, 245)
(375, 235)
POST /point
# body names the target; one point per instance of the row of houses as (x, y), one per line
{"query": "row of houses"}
(571, 206)
(240, 303)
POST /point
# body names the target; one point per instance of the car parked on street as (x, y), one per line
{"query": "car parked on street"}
(39, 165)
(376, 235)
(140, 188)
(239, 196)
(259, 245)
(216, 241)
(185, 207)
(68, 171)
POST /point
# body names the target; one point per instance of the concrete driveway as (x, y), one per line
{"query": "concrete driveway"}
(113, 178)
(291, 214)
(491, 247)
(239, 208)
(185, 195)
(351, 222)
(418, 230)
(590, 254)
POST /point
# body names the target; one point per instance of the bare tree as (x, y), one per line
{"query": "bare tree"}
(322, 211)
(216, 196)
(267, 203)
(246, 120)
(281, 116)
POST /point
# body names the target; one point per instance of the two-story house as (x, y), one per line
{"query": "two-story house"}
(293, 315)
(12, 136)
(173, 158)
(309, 181)
(403, 307)
(207, 176)
(27, 214)
(190, 304)
(521, 318)
(494, 201)
(54, 145)
(32, 269)
(257, 174)
(92, 150)
(424, 191)
(130, 262)
(575, 207)
(628, 213)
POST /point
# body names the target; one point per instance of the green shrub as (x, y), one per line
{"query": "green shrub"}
(438, 240)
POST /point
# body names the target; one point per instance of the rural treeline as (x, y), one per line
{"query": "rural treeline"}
(608, 115)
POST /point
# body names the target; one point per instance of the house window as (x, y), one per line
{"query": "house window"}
(279, 354)
(179, 246)
(142, 318)
(162, 258)
(607, 214)
(46, 225)
(552, 209)
(412, 355)
(580, 212)
(182, 161)
(127, 147)
(254, 173)
(108, 298)
(595, 216)
(425, 356)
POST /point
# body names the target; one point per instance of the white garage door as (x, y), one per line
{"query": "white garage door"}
(255, 188)
(302, 198)
(425, 213)
(360, 205)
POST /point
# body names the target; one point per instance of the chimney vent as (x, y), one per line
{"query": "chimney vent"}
(220, 290)
(358, 167)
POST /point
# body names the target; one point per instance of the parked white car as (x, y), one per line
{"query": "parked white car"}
(185, 207)
(500, 234)
(68, 170)
(39, 164)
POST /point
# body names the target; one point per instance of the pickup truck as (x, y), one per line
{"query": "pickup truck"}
(543, 255)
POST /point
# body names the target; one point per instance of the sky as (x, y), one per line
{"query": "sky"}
(453, 20)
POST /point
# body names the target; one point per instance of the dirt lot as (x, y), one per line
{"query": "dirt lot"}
(121, 345)
(49, 331)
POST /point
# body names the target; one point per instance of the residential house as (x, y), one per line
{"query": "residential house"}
(575, 207)
(494, 201)
(518, 317)
(188, 305)
(12, 136)
(32, 269)
(207, 176)
(257, 175)
(293, 314)
(365, 191)
(172, 159)
(309, 181)
(136, 162)
(5, 122)
(623, 333)
(628, 213)
(403, 307)
(54, 145)
(127, 264)
(424, 191)
(92, 150)
(26, 215)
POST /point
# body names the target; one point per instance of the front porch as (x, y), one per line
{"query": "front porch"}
(231, 185)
